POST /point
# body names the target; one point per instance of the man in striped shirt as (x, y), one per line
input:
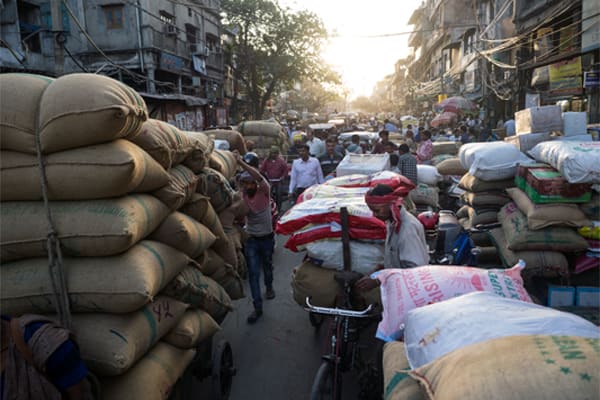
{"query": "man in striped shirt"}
(407, 163)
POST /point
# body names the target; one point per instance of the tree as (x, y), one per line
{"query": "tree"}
(274, 48)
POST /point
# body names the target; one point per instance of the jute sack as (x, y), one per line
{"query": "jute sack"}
(198, 290)
(397, 384)
(114, 284)
(89, 228)
(543, 215)
(164, 142)
(520, 237)
(445, 148)
(425, 195)
(477, 217)
(265, 142)
(237, 210)
(224, 162)
(193, 328)
(214, 185)
(234, 138)
(483, 199)
(21, 94)
(93, 172)
(152, 378)
(184, 234)
(180, 188)
(78, 110)
(451, 166)
(229, 279)
(474, 184)
(197, 160)
(309, 280)
(111, 343)
(591, 209)
(437, 159)
(260, 128)
(543, 264)
(531, 367)
(210, 262)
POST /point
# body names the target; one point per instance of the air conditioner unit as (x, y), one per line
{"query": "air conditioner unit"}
(170, 29)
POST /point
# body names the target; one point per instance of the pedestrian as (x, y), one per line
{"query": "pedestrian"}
(306, 171)
(316, 147)
(40, 361)
(330, 160)
(409, 139)
(389, 126)
(258, 247)
(275, 168)
(384, 138)
(405, 244)
(354, 147)
(407, 163)
(298, 139)
(425, 149)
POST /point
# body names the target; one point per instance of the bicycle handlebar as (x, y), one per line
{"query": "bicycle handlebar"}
(338, 311)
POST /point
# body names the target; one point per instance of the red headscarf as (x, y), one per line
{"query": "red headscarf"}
(394, 199)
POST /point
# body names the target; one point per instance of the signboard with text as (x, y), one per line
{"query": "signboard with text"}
(171, 63)
(565, 77)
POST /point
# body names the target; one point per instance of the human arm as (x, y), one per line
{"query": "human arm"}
(366, 283)
(293, 177)
(320, 178)
(250, 169)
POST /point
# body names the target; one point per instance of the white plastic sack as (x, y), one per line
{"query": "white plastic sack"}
(574, 123)
(438, 329)
(329, 191)
(491, 161)
(405, 289)
(221, 144)
(363, 164)
(428, 174)
(538, 119)
(330, 254)
(578, 162)
(577, 138)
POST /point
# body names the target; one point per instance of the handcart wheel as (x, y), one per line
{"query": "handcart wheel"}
(222, 371)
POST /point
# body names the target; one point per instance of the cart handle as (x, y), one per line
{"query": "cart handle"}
(338, 311)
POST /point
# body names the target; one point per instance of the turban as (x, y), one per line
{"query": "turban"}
(393, 199)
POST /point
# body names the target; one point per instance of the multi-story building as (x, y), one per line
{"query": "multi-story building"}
(170, 51)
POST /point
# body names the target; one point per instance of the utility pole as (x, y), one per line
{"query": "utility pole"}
(58, 35)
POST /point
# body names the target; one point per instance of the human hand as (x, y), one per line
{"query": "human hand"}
(365, 284)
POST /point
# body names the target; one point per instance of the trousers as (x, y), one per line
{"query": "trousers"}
(259, 256)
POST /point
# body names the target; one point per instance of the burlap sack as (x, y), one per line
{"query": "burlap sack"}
(434, 160)
(193, 328)
(184, 234)
(520, 237)
(79, 110)
(180, 188)
(445, 148)
(229, 279)
(164, 142)
(260, 128)
(309, 280)
(591, 209)
(210, 262)
(20, 94)
(214, 185)
(265, 142)
(451, 166)
(425, 195)
(111, 343)
(397, 384)
(89, 228)
(543, 215)
(544, 264)
(234, 138)
(223, 161)
(114, 284)
(484, 199)
(517, 367)
(198, 290)
(237, 210)
(474, 184)
(93, 172)
(152, 378)
(477, 217)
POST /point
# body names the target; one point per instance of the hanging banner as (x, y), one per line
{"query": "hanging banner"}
(565, 77)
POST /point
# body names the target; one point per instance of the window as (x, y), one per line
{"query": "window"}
(114, 16)
(167, 18)
(469, 43)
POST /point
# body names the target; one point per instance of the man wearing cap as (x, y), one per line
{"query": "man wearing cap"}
(306, 171)
(405, 244)
(258, 248)
(275, 169)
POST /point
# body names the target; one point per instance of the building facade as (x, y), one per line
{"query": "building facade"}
(171, 52)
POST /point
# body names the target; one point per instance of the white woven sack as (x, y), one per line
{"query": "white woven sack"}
(492, 161)
(578, 162)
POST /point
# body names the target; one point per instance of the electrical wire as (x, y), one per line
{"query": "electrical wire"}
(84, 69)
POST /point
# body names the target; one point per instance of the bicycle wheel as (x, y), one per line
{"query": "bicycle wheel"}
(326, 384)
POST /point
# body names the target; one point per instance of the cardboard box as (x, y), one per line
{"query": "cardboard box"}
(561, 296)
(527, 141)
(587, 296)
(539, 119)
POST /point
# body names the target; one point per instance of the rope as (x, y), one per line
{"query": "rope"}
(55, 260)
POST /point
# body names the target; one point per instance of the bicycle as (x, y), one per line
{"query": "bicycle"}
(344, 349)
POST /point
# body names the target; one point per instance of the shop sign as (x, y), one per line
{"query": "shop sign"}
(591, 79)
(565, 77)
(171, 63)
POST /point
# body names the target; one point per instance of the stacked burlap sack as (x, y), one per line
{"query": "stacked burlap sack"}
(314, 226)
(484, 333)
(135, 292)
(265, 134)
(426, 195)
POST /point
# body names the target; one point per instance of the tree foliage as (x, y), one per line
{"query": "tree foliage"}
(274, 49)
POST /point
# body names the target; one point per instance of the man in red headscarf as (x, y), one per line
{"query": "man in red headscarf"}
(405, 245)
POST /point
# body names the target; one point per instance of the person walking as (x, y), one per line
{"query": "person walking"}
(258, 248)
(425, 149)
(306, 171)
(275, 169)
(407, 163)
(384, 138)
(330, 160)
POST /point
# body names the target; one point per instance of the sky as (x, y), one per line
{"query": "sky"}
(362, 61)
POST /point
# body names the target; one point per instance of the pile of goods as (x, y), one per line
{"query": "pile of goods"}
(264, 135)
(150, 269)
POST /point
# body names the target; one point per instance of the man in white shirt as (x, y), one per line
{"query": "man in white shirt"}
(306, 171)
(316, 147)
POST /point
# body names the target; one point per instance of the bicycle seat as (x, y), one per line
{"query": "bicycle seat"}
(349, 277)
